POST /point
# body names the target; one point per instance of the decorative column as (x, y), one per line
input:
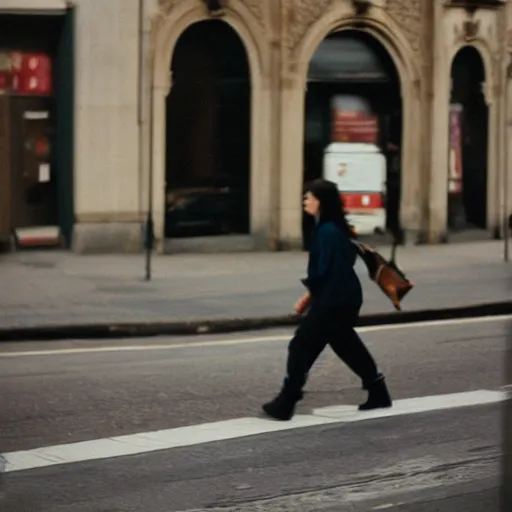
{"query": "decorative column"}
(492, 95)
(262, 167)
(439, 136)
(291, 172)
(413, 190)
(159, 90)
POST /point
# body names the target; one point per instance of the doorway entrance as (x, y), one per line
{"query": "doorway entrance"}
(36, 127)
(208, 134)
(351, 70)
(467, 186)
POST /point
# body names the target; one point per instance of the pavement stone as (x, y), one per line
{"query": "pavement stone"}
(47, 288)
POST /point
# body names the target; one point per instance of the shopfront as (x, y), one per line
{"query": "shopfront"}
(36, 128)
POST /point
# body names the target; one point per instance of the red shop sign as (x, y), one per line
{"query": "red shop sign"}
(31, 74)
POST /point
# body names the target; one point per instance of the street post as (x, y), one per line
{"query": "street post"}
(145, 115)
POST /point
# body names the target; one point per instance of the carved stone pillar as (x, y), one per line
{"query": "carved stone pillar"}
(291, 182)
(262, 168)
(437, 166)
(492, 98)
(160, 91)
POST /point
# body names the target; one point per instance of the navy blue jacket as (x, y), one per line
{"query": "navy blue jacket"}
(332, 280)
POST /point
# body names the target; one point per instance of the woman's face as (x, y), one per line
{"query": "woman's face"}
(311, 204)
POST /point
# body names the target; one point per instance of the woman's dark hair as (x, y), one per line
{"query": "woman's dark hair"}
(331, 204)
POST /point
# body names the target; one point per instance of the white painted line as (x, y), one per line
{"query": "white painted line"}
(244, 340)
(345, 414)
(231, 429)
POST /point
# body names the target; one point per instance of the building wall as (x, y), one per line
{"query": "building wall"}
(295, 28)
(396, 24)
(107, 171)
(280, 38)
(108, 177)
(113, 157)
(455, 29)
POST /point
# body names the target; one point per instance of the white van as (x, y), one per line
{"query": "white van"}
(359, 170)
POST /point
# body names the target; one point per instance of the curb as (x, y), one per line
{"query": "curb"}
(229, 325)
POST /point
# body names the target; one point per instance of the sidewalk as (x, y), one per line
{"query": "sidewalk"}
(39, 289)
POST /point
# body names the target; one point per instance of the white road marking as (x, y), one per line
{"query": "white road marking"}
(244, 340)
(232, 429)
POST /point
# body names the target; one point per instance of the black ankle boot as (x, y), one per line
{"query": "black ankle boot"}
(378, 396)
(282, 408)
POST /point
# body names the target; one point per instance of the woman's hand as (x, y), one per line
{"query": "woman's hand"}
(302, 304)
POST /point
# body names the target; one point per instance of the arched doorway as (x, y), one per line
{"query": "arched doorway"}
(352, 74)
(208, 129)
(468, 158)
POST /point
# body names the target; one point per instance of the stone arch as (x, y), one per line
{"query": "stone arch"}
(167, 29)
(383, 28)
(483, 49)
(170, 27)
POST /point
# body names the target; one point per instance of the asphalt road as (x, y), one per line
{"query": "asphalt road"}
(437, 461)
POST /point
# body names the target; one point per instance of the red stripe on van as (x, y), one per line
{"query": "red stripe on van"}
(362, 201)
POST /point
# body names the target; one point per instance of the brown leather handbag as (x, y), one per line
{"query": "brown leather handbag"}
(390, 279)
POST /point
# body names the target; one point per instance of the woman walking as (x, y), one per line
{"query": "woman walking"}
(336, 299)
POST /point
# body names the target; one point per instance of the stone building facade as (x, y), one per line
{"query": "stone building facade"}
(122, 135)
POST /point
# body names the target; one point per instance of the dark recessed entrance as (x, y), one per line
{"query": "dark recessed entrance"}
(467, 185)
(208, 134)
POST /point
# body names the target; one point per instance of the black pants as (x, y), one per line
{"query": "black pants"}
(317, 330)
